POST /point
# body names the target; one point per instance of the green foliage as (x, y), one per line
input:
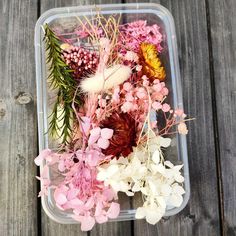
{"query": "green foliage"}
(60, 78)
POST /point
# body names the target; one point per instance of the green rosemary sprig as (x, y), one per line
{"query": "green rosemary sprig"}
(60, 78)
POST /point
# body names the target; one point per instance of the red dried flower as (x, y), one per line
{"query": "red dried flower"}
(124, 137)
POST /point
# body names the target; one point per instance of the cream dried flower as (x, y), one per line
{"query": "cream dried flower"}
(145, 171)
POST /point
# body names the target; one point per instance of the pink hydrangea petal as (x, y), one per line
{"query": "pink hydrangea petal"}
(42, 155)
(109, 194)
(76, 202)
(101, 219)
(114, 210)
(87, 223)
(61, 166)
(107, 133)
(93, 158)
(85, 124)
(103, 143)
(60, 199)
(96, 131)
(90, 203)
(98, 210)
(93, 139)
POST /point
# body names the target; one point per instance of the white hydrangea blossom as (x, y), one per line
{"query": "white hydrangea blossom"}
(145, 171)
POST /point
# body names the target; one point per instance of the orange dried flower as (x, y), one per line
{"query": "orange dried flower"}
(151, 63)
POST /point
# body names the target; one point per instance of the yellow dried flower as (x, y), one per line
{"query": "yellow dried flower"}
(151, 63)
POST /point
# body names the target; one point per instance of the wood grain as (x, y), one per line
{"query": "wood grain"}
(18, 125)
(222, 27)
(48, 226)
(201, 216)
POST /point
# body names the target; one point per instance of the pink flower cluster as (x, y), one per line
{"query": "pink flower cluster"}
(134, 33)
(80, 191)
(80, 60)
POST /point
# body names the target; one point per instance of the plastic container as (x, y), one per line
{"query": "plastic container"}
(153, 13)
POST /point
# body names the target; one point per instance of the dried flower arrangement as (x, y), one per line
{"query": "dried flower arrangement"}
(111, 93)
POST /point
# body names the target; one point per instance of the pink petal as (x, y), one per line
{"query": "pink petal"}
(156, 105)
(107, 133)
(98, 210)
(157, 87)
(76, 202)
(127, 86)
(103, 143)
(42, 155)
(61, 166)
(165, 107)
(114, 210)
(87, 223)
(109, 194)
(101, 219)
(93, 139)
(95, 132)
(165, 91)
(85, 124)
(60, 199)
(90, 203)
(93, 158)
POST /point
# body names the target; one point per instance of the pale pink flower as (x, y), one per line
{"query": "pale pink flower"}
(179, 112)
(127, 86)
(131, 56)
(165, 107)
(138, 68)
(156, 105)
(182, 128)
(126, 107)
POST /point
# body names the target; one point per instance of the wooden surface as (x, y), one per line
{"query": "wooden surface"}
(206, 34)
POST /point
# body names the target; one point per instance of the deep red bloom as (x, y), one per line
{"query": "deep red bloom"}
(124, 137)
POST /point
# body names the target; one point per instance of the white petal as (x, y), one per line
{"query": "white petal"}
(161, 169)
(130, 194)
(156, 157)
(136, 187)
(144, 191)
(166, 189)
(111, 170)
(140, 213)
(153, 217)
(164, 142)
(169, 164)
(178, 167)
(178, 189)
(161, 201)
(179, 178)
(175, 200)
(152, 186)
(102, 175)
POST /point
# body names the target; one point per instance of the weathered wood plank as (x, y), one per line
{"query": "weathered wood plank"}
(18, 129)
(222, 23)
(201, 216)
(48, 226)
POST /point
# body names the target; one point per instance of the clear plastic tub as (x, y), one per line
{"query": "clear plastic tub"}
(153, 13)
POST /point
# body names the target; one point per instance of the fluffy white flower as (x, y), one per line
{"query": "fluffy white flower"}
(109, 78)
(144, 171)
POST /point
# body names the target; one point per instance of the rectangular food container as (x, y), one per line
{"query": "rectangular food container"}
(67, 17)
